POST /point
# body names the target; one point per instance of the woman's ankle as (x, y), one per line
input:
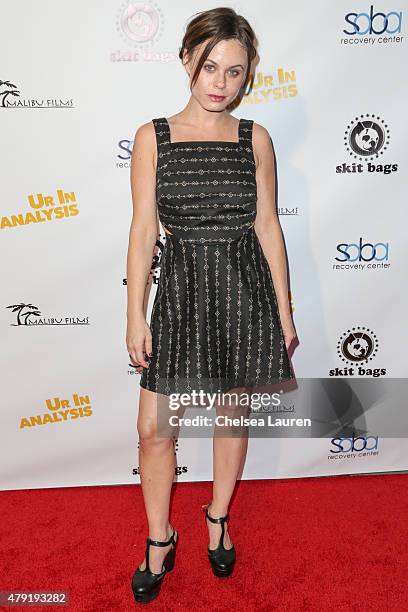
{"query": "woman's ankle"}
(161, 534)
(217, 511)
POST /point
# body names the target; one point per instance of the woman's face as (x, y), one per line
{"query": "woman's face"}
(221, 76)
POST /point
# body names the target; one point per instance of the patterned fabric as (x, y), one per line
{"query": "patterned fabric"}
(215, 321)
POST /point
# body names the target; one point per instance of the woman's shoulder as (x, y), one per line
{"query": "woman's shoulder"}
(259, 131)
(262, 145)
(144, 142)
(145, 132)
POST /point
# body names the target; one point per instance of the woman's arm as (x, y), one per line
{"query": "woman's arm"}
(142, 238)
(267, 225)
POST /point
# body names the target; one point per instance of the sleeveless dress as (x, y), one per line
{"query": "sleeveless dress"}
(215, 322)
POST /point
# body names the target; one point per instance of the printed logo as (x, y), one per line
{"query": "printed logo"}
(60, 411)
(285, 211)
(139, 22)
(362, 255)
(363, 251)
(28, 314)
(357, 346)
(125, 153)
(366, 138)
(43, 208)
(361, 24)
(140, 25)
(354, 446)
(10, 98)
(266, 87)
(179, 469)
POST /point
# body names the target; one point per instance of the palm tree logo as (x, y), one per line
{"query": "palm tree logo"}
(11, 91)
(22, 315)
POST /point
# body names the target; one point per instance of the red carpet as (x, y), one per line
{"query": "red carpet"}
(311, 544)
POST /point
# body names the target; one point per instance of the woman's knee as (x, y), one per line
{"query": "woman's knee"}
(146, 428)
(150, 435)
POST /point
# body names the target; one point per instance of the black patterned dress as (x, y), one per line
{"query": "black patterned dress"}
(215, 322)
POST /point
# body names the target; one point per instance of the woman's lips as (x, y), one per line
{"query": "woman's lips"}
(217, 98)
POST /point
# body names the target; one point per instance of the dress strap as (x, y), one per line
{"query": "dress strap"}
(245, 133)
(162, 129)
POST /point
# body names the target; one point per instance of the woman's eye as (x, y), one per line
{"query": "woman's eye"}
(233, 72)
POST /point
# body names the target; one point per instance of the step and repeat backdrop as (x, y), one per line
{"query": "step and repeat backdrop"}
(77, 80)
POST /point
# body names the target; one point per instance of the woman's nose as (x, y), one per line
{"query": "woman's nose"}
(220, 82)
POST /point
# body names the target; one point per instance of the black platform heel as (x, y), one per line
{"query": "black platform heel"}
(222, 559)
(145, 584)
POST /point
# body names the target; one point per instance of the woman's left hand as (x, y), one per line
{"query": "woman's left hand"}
(288, 329)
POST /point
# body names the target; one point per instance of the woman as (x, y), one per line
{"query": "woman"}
(218, 321)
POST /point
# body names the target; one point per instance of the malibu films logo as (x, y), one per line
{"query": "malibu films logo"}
(362, 255)
(140, 25)
(60, 411)
(28, 314)
(285, 211)
(357, 346)
(10, 98)
(366, 138)
(372, 28)
(354, 446)
(44, 208)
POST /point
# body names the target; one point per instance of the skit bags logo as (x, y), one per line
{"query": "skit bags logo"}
(366, 138)
(356, 347)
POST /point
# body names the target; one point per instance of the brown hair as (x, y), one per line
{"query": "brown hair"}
(217, 24)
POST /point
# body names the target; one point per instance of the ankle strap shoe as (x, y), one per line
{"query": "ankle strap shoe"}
(145, 584)
(222, 559)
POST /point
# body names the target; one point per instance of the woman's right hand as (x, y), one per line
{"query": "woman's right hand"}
(139, 342)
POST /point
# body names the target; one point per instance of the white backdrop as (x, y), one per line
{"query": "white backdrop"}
(77, 80)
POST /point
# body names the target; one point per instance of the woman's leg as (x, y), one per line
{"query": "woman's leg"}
(157, 468)
(229, 451)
